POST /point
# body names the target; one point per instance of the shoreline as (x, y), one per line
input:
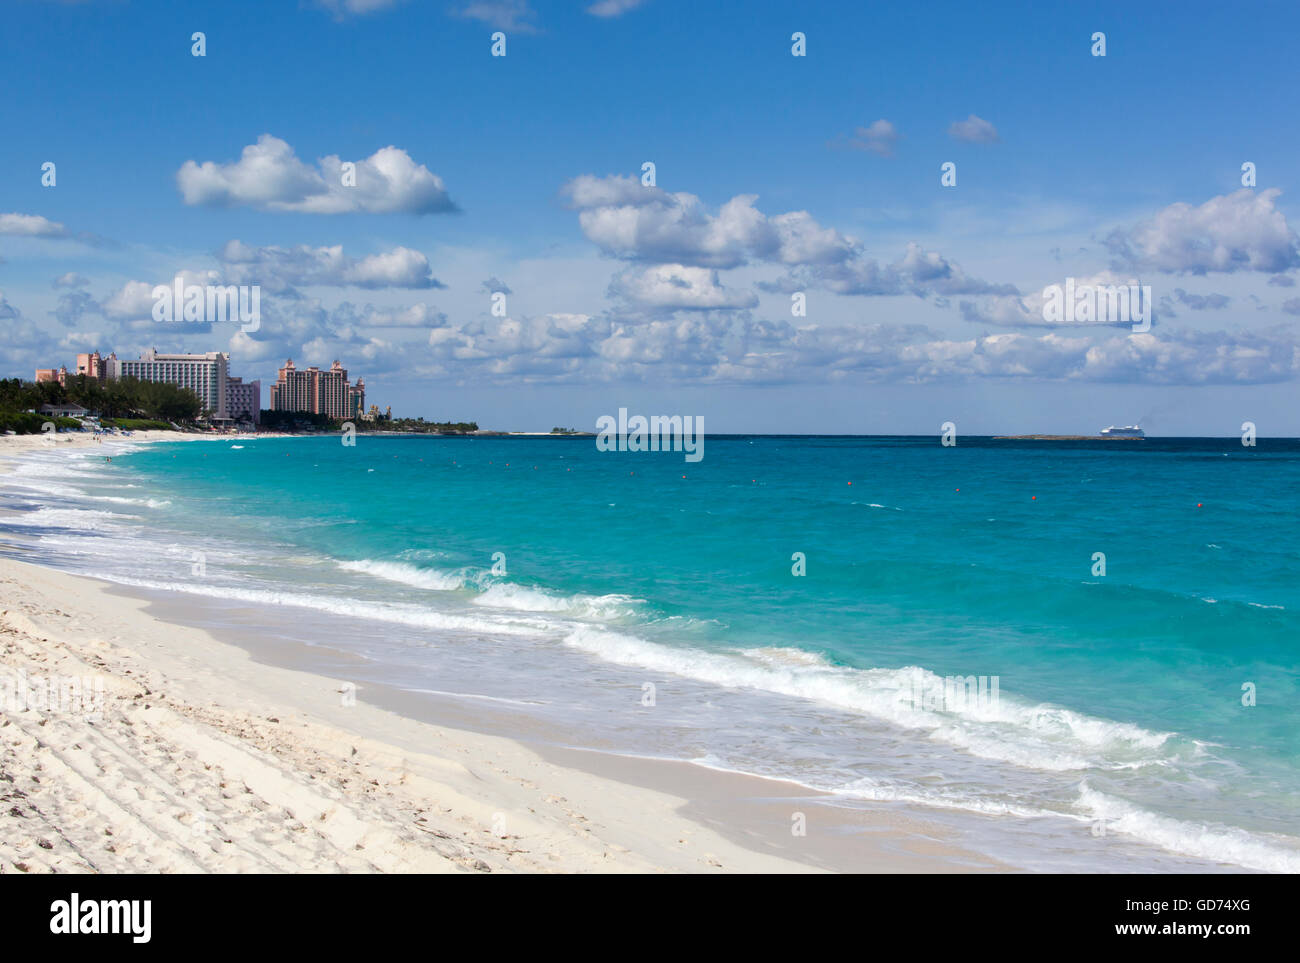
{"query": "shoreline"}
(208, 723)
(202, 737)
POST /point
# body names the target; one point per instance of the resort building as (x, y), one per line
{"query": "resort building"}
(204, 374)
(311, 390)
(357, 399)
(95, 366)
(63, 411)
(244, 399)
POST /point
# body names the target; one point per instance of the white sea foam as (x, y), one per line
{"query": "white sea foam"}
(878, 791)
(393, 612)
(119, 500)
(1033, 736)
(425, 578)
(55, 468)
(1219, 843)
(523, 598)
(480, 697)
(497, 594)
(43, 486)
(76, 518)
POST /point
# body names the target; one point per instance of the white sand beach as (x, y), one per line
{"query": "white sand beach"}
(204, 757)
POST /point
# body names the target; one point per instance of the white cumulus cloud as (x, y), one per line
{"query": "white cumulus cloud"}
(1242, 231)
(270, 176)
(30, 225)
(280, 269)
(675, 286)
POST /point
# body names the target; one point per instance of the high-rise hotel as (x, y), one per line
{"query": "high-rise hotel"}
(243, 399)
(203, 374)
(318, 392)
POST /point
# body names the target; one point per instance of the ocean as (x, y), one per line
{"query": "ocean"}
(1076, 656)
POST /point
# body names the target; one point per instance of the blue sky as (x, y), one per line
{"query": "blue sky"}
(771, 179)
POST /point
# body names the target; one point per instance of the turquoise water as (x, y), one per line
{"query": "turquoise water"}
(1118, 735)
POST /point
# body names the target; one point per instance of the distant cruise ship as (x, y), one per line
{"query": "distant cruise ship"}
(1124, 431)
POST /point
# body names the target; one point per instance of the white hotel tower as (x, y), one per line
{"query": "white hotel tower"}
(204, 374)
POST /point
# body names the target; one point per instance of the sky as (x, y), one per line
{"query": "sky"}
(777, 180)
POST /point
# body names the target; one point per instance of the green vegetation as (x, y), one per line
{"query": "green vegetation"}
(305, 421)
(20, 422)
(26, 423)
(297, 421)
(128, 398)
(419, 426)
(136, 405)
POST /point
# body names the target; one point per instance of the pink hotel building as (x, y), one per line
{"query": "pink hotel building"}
(318, 392)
